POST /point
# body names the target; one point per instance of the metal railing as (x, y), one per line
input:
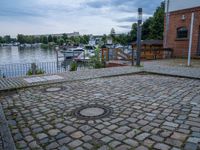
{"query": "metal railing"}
(20, 70)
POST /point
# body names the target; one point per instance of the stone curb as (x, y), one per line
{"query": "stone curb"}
(64, 81)
(7, 140)
(103, 76)
(171, 75)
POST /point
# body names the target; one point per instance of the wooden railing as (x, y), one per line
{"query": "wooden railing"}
(156, 53)
(148, 54)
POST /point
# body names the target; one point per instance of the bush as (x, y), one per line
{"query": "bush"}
(36, 72)
(96, 61)
(44, 46)
(73, 66)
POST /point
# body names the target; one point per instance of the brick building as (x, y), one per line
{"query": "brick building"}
(177, 26)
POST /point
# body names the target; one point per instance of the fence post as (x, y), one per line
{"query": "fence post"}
(33, 68)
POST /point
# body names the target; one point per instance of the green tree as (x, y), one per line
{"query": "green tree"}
(75, 40)
(50, 39)
(61, 41)
(44, 40)
(146, 30)
(81, 39)
(21, 38)
(7, 39)
(133, 33)
(113, 35)
(65, 37)
(86, 39)
(122, 39)
(41, 38)
(55, 39)
(104, 39)
(32, 39)
(157, 25)
(37, 40)
(2, 40)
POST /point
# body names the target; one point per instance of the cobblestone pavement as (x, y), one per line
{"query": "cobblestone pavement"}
(148, 112)
(1, 143)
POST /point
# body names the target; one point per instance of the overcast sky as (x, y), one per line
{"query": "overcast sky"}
(63, 16)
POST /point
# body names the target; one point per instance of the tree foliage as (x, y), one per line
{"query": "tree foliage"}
(133, 33)
(6, 39)
(104, 39)
(113, 35)
(153, 27)
(64, 39)
(146, 29)
(50, 38)
(157, 24)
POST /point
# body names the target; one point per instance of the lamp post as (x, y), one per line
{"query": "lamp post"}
(190, 41)
(139, 35)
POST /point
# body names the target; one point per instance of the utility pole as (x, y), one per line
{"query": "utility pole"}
(139, 35)
(190, 42)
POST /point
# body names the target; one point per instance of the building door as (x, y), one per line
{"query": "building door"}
(198, 47)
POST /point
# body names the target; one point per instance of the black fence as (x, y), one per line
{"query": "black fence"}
(19, 70)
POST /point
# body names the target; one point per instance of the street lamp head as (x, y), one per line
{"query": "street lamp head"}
(140, 10)
(140, 14)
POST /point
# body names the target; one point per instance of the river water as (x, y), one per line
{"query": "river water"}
(15, 62)
(13, 55)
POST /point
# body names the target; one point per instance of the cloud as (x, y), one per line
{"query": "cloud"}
(124, 26)
(85, 16)
(128, 19)
(133, 18)
(96, 4)
(125, 5)
(19, 13)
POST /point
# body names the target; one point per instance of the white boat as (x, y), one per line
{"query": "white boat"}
(85, 56)
(72, 53)
(89, 48)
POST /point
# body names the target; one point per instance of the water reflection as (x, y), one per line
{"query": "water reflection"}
(13, 54)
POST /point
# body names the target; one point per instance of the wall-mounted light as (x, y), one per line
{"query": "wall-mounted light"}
(183, 17)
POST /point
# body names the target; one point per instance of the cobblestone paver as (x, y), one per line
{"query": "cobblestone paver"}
(149, 112)
(1, 142)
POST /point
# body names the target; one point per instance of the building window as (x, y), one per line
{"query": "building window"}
(182, 32)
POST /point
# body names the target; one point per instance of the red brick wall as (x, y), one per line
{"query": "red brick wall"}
(181, 46)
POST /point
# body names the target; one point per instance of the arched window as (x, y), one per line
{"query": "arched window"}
(182, 32)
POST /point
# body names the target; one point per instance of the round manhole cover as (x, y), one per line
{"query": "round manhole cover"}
(92, 112)
(54, 89)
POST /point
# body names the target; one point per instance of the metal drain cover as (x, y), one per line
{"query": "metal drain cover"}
(92, 112)
(54, 89)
